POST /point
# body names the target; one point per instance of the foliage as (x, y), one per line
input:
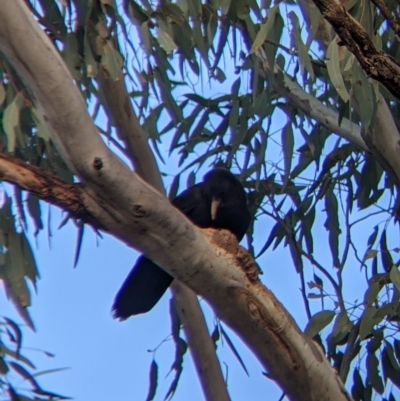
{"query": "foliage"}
(209, 80)
(14, 363)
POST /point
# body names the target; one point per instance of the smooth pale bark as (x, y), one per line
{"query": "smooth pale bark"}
(194, 324)
(316, 110)
(209, 261)
(129, 129)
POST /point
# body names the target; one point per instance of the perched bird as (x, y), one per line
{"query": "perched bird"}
(217, 202)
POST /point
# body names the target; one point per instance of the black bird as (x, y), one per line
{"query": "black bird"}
(217, 202)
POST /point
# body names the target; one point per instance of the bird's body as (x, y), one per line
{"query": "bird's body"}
(217, 202)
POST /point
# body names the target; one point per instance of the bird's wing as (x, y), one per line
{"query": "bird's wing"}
(141, 290)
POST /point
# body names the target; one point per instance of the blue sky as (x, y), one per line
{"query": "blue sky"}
(110, 360)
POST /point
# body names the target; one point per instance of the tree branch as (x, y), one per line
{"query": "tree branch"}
(383, 140)
(272, 330)
(384, 9)
(316, 110)
(210, 261)
(200, 343)
(135, 138)
(129, 129)
(376, 64)
(46, 186)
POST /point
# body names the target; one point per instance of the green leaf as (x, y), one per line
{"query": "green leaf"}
(111, 60)
(396, 345)
(153, 381)
(395, 276)
(175, 320)
(13, 270)
(212, 25)
(334, 72)
(174, 385)
(390, 352)
(219, 75)
(332, 225)
(135, 12)
(53, 15)
(375, 342)
(368, 321)
(16, 332)
(288, 144)
(24, 373)
(180, 350)
(373, 377)
(264, 30)
(386, 257)
(318, 322)
(233, 349)
(235, 88)
(365, 95)
(370, 295)
(341, 328)
(90, 60)
(145, 37)
(307, 224)
(233, 119)
(302, 50)
(4, 369)
(165, 41)
(49, 371)
(79, 240)
(2, 94)
(370, 254)
(357, 390)
(11, 122)
(42, 130)
(389, 371)
(175, 10)
(277, 232)
(35, 212)
(173, 189)
(194, 8)
(200, 42)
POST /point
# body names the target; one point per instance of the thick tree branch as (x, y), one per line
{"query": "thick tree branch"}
(194, 324)
(270, 318)
(317, 111)
(383, 140)
(375, 63)
(46, 186)
(207, 260)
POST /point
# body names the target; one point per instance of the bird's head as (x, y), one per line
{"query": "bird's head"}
(225, 189)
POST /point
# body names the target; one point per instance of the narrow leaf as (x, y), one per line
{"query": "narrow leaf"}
(11, 123)
(318, 322)
(81, 228)
(287, 144)
(334, 72)
(153, 381)
(233, 349)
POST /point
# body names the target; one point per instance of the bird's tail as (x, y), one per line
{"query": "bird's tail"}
(142, 289)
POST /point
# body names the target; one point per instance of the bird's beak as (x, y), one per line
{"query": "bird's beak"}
(214, 208)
